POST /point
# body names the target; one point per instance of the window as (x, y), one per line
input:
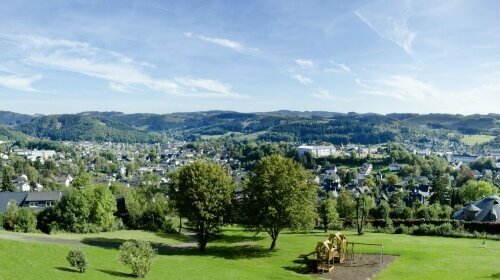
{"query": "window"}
(33, 204)
(49, 203)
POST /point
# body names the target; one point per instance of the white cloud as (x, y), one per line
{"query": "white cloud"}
(327, 95)
(18, 82)
(339, 68)
(304, 63)
(301, 79)
(223, 42)
(425, 96)
(122, 73)
(393, 27)
(405, 88)
(359, 83)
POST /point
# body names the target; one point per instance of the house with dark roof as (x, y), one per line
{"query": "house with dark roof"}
(484, 210)
(33, 200)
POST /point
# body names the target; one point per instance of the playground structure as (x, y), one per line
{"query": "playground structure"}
(338, 250)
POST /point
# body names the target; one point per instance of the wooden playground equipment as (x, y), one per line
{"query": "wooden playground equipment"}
(336, 250)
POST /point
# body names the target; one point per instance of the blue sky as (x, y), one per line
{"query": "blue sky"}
(172, 56)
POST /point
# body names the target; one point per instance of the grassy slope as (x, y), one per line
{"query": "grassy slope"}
(478, 139)
(420, 258)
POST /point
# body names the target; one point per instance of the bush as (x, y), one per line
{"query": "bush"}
(18, 219)
(401, 229)
(25, 221)
(138, 255)
(77, 259)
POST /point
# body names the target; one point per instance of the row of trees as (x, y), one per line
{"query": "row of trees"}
(277, 196)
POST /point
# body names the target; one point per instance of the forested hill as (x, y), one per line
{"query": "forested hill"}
(9, 134)
(472, 124)
(317, 126)
(11, 118)
(86, 128)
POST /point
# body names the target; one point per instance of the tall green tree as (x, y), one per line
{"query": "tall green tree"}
(7, 184)
(327, 211)
(279, 196)
(440, 187)
(202, 192)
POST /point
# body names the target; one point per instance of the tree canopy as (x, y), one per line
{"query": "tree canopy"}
(279, 196)
(202, 192)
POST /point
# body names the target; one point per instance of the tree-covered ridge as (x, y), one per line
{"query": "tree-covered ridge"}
(86, 128)
(472, 124)
(11, 118)
(11, 134)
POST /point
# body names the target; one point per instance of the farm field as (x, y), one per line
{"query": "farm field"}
(241, 255)
(476, 139)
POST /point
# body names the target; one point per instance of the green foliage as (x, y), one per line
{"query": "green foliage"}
(26, 221)
(401, 211)
(381, 211)
(346, 206)
(9, 217)
(138, 256)
(82, 181)
(474, 190)
(18, 219)
(392, 179)
(202, 192)
(76, 258)
(85, 210)
(86, 128)
(7, 185)
(279, 196)
(327, 211)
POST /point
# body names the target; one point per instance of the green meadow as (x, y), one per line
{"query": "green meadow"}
(243, 255)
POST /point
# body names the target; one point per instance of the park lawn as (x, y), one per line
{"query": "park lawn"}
(476, 139)
(240, 255)
(116, 236)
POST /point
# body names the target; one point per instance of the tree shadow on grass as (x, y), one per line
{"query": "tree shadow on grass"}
(65, 269)
(242, 251)
(175, 236)
(225, 252)
(494, 276)
(116, 273)
(237, 238)
(303, 265)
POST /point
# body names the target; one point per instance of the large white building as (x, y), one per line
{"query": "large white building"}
(318, 151)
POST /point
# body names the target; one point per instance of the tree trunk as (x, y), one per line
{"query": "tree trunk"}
(180, 224)
(274, 236)
(273, 244)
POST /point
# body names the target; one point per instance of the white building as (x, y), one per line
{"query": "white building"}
(465, 158)
(317, 151)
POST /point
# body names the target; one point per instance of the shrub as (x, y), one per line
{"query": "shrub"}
(138, 255)
(77, 259)
(25, 221)
(401, 229)
(18, 219)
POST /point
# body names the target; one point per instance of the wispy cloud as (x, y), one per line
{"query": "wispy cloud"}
(327, 95)
(409, 89)
(393, 27)
(338, 67)
(19, 82)
(404, 88)
(361, 84)
(301, 79)
(122, 73)
(224, 42)
(304, 63)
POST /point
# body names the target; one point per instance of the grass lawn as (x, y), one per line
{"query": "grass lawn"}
(476, 139)
(240, 255)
